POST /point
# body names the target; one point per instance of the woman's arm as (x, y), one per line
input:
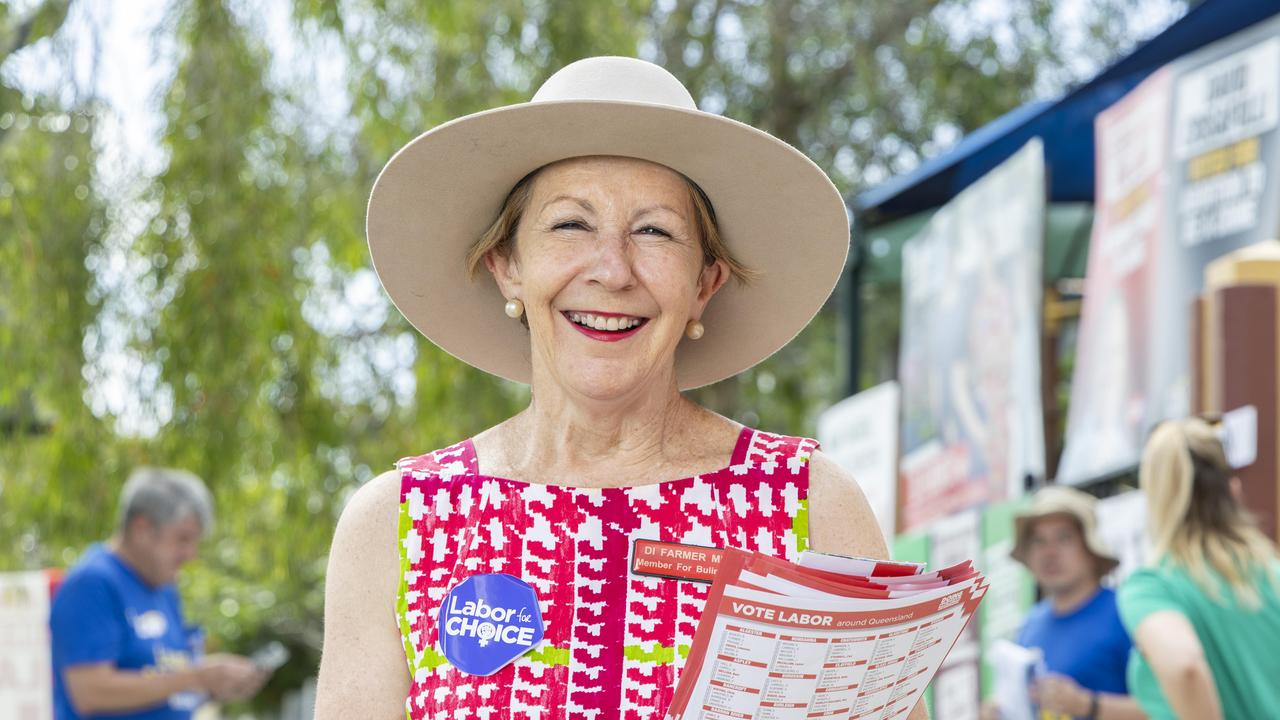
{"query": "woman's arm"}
(363, 670)
(1169, 643)
(1119, 707)
(841, 521)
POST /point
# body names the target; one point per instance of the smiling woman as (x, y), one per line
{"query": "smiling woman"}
(644, 248)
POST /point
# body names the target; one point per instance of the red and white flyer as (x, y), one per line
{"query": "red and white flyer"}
(780, 641)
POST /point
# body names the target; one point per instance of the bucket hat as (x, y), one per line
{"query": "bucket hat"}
(1060, 500)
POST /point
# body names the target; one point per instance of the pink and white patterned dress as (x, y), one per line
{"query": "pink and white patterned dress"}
(615, 642)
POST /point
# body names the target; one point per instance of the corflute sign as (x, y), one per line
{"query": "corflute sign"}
(486, 621)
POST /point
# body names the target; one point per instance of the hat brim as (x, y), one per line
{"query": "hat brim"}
(777, 211)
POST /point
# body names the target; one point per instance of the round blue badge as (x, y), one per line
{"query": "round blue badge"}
(486, 621)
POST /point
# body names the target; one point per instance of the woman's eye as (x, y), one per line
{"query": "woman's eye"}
(569, 225)
(651, 230)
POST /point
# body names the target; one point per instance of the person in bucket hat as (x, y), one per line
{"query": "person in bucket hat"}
(610, 245)
(1064, 502)
(1076, 625)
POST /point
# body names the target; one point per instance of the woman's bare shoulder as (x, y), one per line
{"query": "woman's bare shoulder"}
(374, 504)
(829, 477)
(713, 436)
(841, 519)
(365, 541)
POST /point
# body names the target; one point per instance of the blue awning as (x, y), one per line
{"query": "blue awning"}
(1065, 125)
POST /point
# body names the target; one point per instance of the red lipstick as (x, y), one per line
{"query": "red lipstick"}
(604, 335)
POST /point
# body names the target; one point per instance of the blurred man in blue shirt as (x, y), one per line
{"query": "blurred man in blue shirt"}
(120, 645)
(1076, 626)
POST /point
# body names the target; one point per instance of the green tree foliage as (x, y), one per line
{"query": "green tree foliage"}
(51, 220)
(233, 285)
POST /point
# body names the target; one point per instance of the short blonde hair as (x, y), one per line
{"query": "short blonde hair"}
(500, 237)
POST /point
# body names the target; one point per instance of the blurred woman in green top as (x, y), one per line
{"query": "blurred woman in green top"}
(1205, 617)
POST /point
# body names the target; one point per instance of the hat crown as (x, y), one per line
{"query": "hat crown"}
(615, 78)
(1059, 497)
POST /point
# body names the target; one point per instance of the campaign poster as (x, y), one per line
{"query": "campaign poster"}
(1223, 189)
(860, 433)
(913, 547)
(972, 424)
(955, 539)
(1012, 590)
(1108, 412)
(1122, 527)
(26, 685)
(952, 540)
(955, 692)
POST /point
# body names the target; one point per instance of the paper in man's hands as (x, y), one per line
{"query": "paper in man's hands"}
(1013, 667)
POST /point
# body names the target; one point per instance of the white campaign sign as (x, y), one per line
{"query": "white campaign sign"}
(1239, 435)
(1122, 525)
(1228, 100)
(26, 689)
(861, 434)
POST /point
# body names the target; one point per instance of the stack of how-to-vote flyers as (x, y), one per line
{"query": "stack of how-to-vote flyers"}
(829, 637)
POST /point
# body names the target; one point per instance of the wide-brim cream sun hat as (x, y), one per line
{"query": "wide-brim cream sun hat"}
(1061, 500)
(777, 211)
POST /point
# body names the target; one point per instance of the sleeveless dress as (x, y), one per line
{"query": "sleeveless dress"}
(614, 642)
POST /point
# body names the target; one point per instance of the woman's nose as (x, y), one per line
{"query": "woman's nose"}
(611, 266)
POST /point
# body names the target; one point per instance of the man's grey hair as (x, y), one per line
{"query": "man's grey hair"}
(165, 496)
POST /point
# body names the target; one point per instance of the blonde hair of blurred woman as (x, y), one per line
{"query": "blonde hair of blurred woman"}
(1195, 519)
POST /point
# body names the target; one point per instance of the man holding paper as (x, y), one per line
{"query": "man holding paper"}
(121, 646)
(1076, 626)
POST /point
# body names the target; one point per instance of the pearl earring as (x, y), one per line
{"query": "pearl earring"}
(694, 330)
(514, 308)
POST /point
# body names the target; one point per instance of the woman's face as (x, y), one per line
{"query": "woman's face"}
(610, 268)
